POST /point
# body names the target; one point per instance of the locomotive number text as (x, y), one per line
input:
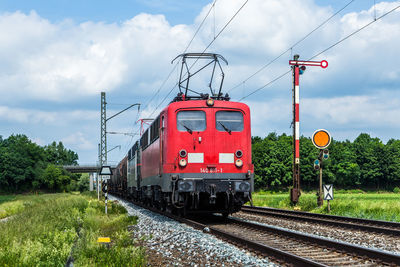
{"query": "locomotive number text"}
(213, 170)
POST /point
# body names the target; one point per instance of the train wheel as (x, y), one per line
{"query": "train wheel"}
(182, 212)
(163, 204)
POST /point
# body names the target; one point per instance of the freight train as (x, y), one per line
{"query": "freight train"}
(194, 157)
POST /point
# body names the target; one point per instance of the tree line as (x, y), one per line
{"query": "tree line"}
(26, 166)
(365, 163)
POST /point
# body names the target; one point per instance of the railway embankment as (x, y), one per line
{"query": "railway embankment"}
(170, 243)
(55, 229)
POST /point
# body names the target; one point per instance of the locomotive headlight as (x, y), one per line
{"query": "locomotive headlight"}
(242, 187)
(182, 162)
(185, 186)
(210, 102)
(239, 153)
(239, 163)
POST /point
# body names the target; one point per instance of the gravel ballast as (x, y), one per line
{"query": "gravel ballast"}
(171, 243)
(353, 236)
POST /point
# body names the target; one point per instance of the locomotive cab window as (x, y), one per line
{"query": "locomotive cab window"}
(229, 121)
(191, 120)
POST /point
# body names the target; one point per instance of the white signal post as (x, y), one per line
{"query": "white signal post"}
(297, 66)
(106, 173)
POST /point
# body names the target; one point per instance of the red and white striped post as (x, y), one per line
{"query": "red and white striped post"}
(297, 66)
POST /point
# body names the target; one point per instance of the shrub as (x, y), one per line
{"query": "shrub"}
(396, 190)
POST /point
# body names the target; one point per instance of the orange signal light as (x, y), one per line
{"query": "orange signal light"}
(321, 139)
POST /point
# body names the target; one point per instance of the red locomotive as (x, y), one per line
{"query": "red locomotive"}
(194, 157)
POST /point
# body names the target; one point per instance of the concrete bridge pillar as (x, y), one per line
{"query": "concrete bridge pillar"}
(91, 177)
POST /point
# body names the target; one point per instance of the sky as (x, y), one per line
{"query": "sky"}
(58, 56)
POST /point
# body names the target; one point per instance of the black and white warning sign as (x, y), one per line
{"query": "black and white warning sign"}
(328, 192)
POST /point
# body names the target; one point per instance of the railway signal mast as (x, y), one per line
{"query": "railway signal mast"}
(298, 68)
(321, 140)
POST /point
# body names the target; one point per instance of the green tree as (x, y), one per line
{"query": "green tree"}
(393, 162)
(59, 155)
(23, 165)
(368, 152)
(83, 182)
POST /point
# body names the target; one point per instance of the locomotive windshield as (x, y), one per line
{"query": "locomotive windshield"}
(191, 120)
(229, 121)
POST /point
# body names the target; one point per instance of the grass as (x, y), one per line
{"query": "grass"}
(44, 229)
(13, 204)
(354, 203)
(5, 198)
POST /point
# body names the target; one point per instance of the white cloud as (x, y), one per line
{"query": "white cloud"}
(45, 62)
(79, 141)
(35, 116)
(345, 117)
(66, 61)
(357, 111)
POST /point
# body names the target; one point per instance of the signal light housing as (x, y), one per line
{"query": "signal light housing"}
(325, 154)
(239, 153)
(302, 69)
(317, 165)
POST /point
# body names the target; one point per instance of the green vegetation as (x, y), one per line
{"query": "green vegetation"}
(364, 163)
(46, 229)
(26, 166)
(351, 203)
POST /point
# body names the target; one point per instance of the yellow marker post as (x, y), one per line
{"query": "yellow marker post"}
(103, 240)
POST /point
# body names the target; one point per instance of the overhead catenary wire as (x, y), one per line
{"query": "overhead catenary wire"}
(208, 46)
(219, 33)
(174, 67)
(355, 32)
(187, 47)
(323, 51)
(291, 47)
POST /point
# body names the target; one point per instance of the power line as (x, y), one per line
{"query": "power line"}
(174, 68)
(323, 51)
(290, 48)
(187, 47)
(219, 33)
(265, 85)
(201, 24)
(353, 33)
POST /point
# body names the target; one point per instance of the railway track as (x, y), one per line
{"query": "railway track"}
(303, 249)
(383, 227)
(287, 247)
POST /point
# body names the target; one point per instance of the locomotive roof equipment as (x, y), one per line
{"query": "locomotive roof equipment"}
(186, 76)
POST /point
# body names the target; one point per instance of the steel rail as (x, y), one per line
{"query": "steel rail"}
(391, 228)
(379, 255)
(267, 251)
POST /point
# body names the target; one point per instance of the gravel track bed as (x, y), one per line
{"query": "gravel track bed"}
(170, 243)
(370, 240)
